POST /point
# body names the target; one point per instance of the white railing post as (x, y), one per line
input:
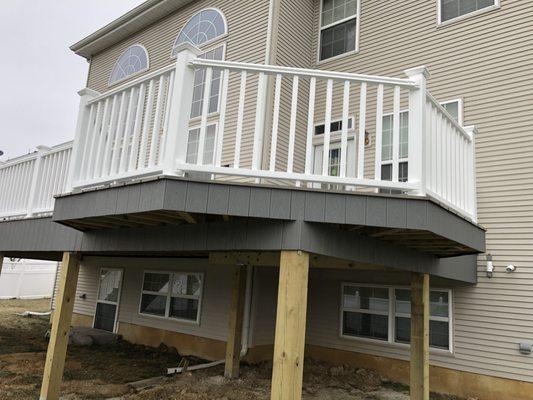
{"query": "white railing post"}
(32, 196)
(472, 178)
(181, 92)
(79, 136)
(417, 128)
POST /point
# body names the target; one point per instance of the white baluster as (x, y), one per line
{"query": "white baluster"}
(119, 136)
(205, 113)
(240, 117)
(101, 140)
(137, 128)
(344, 135)
(127, 133)
(309, 149)
(327, 130)
(222, 119)
(260, 117)
(157, 123)
(362, 129)
(275, 123)
(379, 132)
(146, 125)
(396, 134)
(292, 126)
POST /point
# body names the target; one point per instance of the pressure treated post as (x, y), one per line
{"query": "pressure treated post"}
(236, 313)
(419, 337)
(57, 347)
(289, 344)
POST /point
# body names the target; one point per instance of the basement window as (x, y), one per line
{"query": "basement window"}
(172, 295)
(383, 314)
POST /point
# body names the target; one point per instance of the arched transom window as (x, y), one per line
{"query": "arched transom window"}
(203, 27)
(133, 61)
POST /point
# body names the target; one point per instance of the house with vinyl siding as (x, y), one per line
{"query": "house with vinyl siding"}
(349, 179)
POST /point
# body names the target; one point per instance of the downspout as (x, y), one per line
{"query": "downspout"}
(247, 311)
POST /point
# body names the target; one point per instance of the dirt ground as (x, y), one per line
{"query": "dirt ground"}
(102, 372)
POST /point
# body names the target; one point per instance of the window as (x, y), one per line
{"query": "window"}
(384, 313)
(335, 126)
(365, 312)
(172, 295)
(209, 147)
(339, 21)
(453, 107)
(451, 9)
(387, 147)
(439, 320)
(133, 61)
(204, 27)
(199, 84)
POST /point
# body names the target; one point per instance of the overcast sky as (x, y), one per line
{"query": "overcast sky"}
(40, 75)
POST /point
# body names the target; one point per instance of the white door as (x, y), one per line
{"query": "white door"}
(110, 283)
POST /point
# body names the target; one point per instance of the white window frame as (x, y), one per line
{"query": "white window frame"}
(115, 324)
(215, 46)
(357, 16)
(496, 6)
(400, 160)
(460, 106)
(169, 296)
(392, 317)
(109, 83)
(209, 42)
(198, 125)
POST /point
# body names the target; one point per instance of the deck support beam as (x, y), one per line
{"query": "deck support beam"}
(57, 346)
(289, 344)
(419, 377)
(235, 322)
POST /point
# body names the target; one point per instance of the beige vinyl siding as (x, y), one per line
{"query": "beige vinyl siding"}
(215, 295)
(487, 61)
(247, 22)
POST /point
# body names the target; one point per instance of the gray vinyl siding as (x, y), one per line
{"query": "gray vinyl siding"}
(215, 296)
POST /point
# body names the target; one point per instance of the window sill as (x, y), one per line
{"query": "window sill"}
(335, 58)
(473, 14)
(395, 345)
(170, 319)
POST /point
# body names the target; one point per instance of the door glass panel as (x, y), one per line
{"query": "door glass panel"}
(109, 285)
(105, 317)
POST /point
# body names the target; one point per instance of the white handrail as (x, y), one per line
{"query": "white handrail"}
(303, 73)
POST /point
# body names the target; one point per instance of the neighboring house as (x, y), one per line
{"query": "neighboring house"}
(196, 170)
(27, 279)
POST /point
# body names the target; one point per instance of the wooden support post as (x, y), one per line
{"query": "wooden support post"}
(236, 313)
(57, 347)
(419, 336)
(289, 344)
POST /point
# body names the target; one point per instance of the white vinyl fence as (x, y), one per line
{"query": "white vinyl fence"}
(27, 279)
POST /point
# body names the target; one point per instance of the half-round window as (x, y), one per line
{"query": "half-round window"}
(203, 27)
(133, 61)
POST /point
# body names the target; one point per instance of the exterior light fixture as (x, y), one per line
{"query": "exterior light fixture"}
(490, 266)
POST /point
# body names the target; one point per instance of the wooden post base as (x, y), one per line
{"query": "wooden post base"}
(57, 347)
(419, 377)
(289, 344)
(235, 322)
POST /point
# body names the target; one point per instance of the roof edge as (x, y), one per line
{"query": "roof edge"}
(149, 11)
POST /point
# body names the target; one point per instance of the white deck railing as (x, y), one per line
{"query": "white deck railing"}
(29, 183)
(266, 131)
